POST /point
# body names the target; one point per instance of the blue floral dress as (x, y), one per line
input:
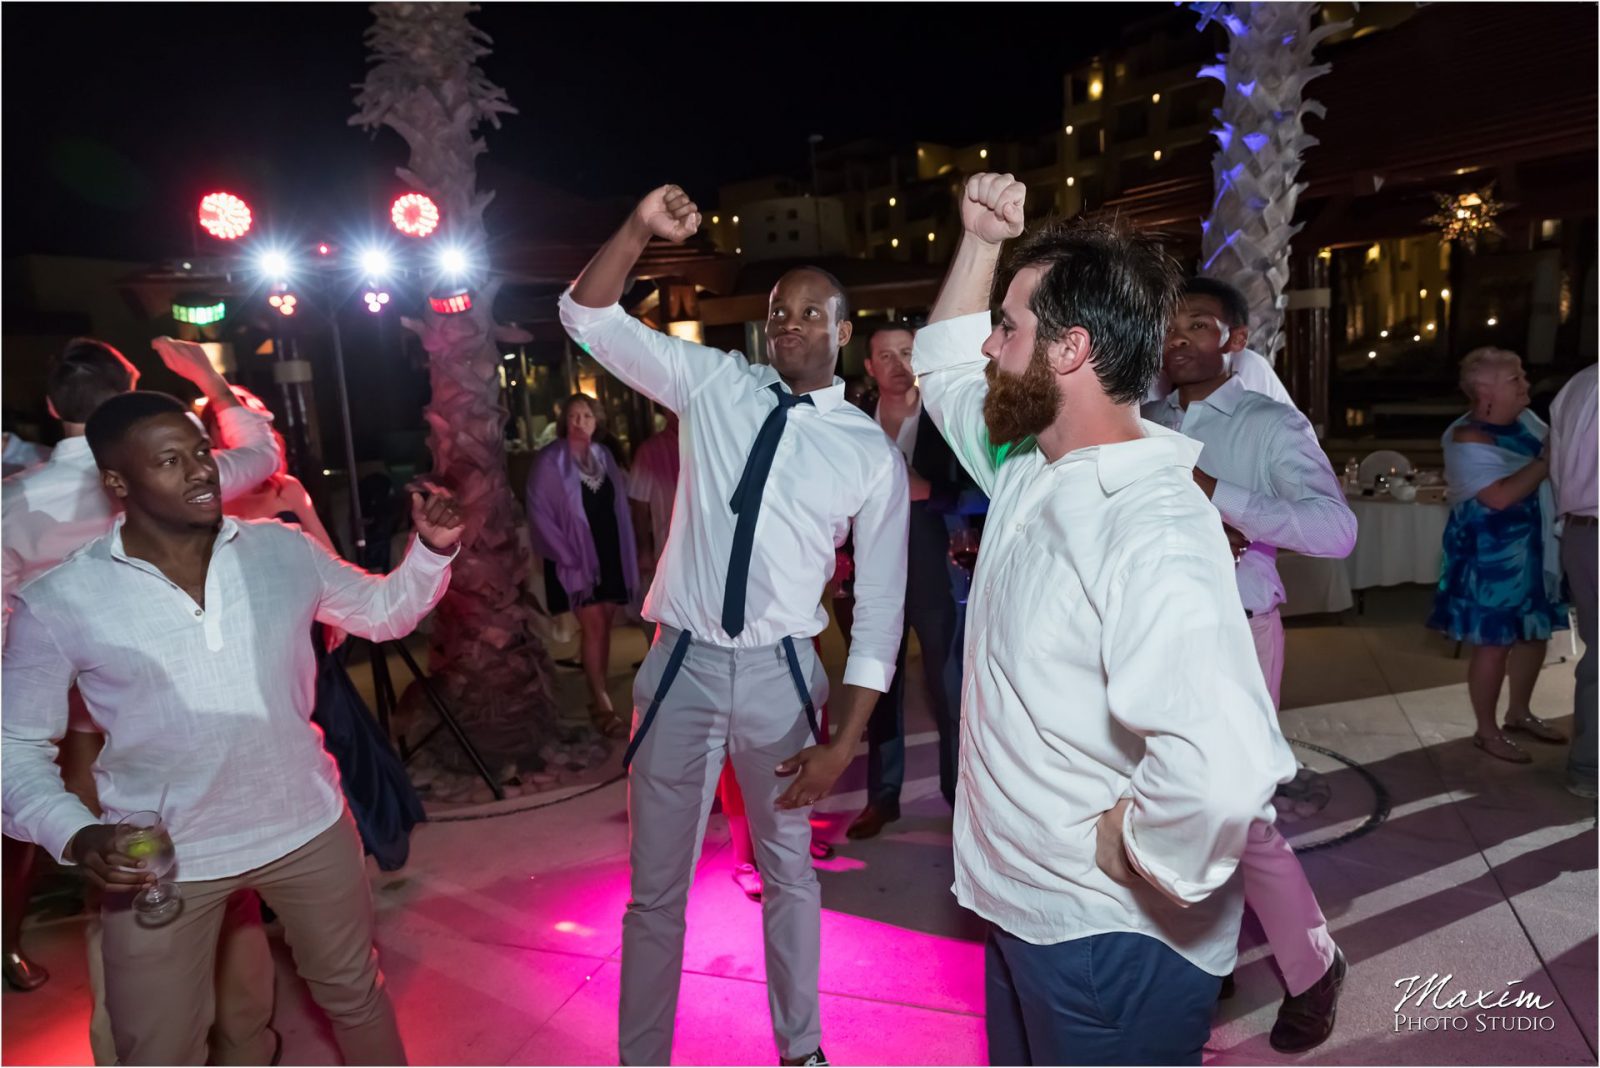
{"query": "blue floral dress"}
(1491, 584)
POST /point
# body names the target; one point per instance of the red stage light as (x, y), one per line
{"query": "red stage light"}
(454, 304)
(324, 249)
(414, 215)
(224, 216)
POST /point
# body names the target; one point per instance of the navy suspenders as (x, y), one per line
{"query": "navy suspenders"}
(680, 649)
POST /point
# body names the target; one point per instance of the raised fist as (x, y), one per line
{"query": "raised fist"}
(669, 213)
(991, 207)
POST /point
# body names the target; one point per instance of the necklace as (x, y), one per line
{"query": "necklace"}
(591, 473)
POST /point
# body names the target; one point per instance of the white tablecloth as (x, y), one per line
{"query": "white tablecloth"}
(1396, 542)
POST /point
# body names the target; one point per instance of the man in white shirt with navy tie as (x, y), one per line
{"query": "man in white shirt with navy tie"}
(732, 675)
(1105, 794)
(1269, 479)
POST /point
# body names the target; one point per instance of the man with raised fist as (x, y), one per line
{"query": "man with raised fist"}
(776, 466)
(1104, 793)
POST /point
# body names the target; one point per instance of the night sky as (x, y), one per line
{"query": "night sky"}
(118, 116)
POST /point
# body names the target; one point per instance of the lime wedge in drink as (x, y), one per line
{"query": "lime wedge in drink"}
(141, 846)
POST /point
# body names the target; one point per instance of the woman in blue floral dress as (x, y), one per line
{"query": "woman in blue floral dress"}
(1500, 587)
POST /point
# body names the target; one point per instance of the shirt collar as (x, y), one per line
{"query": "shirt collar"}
(1225, 398)
(225, 533)
(826, 399)
(1121, 465)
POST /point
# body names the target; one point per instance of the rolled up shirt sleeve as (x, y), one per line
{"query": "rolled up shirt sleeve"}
(880, 587)
(252, 456)
(380, 607)
(950, 365)
(35, 677)
(1182, 674)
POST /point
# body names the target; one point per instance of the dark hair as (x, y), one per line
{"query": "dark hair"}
(598, 412)
(890, 326)
(1234, 307)
(112, 421)
(85, 376)
(1115, 281)
(838, 287)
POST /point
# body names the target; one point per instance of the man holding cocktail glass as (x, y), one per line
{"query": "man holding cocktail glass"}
(185, 633)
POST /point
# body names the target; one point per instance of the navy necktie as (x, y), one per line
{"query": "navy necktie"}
(746, 504)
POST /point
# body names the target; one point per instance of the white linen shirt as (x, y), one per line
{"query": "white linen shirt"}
(1572, 444)
(212, 705)
(1107, 656)
(1274, 482)
(53, 510)
(834, 466)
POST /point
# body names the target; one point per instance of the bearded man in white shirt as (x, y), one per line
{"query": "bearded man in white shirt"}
(185, 633)
(732, 675)
(1104, 798)
(1269, 479)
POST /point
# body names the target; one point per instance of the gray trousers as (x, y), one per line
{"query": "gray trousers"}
(1578, 543)
(725, 704)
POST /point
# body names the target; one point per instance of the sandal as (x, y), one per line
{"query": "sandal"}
(1528, 723)
(1502, 748)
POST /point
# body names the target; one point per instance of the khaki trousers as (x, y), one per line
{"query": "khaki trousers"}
(161, 981)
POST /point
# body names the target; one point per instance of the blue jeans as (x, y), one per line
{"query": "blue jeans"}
(1118, 998)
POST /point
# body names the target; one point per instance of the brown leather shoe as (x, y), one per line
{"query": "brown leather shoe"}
(872, 820)
(21, 973)
(1306, 1020)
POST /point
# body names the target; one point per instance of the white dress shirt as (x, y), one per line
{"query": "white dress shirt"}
(834, 466)
(1107, 656)
(19, 455)
(1572, 444)
(906, 439)
(1274, 482)
(51, 511)
(1249, 366)
(211, 705)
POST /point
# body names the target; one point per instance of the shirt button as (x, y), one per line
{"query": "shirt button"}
(199, 611)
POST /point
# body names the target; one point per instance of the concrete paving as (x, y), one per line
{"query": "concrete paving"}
(500, 939)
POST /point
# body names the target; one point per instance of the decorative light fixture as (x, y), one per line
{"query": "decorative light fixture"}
(224, 216)
(1155, 98)
(375, 264)
(451, 303)
(1467, 218)
(1071, 181)
(414, 215)
(892, 202)
(1491, 321)
(983, 153)
(199, 311)
(894, 242)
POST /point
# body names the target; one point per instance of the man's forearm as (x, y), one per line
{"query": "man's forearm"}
(969, 282)
(859, 702)
(218, 394)
(602, 281)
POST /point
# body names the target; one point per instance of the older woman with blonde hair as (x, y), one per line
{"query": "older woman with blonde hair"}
(579, 518)
(1500, 585)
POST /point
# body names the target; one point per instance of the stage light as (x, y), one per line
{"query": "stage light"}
(324, 249)
(453, 261)
(414, 215)
(199, 311)
(274, 264)
(224, 216)
(375, 263)
(376, 299)
(451, 303)
(286, 303)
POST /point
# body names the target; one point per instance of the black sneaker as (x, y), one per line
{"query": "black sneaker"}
(817, 1058)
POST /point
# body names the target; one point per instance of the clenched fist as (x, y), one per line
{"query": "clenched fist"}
(437, 516)
(991, 207)
(669, 213)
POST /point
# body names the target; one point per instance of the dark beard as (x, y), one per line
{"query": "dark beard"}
(1019, 406)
